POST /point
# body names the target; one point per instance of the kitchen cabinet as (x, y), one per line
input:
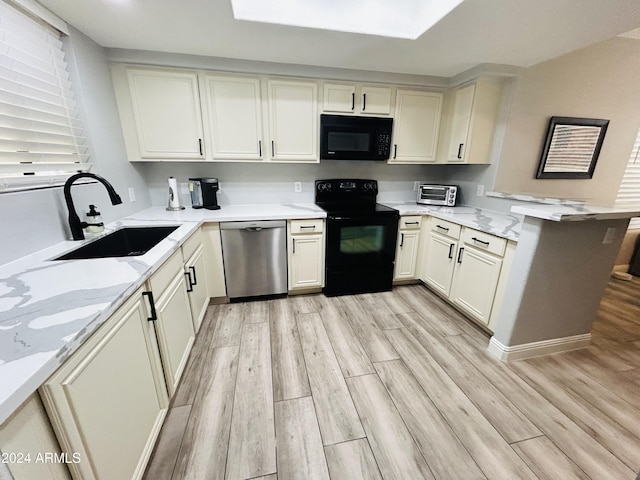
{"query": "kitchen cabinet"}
(473, 115)
(293, 121)
(439, 258)
(234, 117)
(108, 401)
(25, 438)
(195, 266)
(416, 126)
(407, 247)
(160, 113)
(359, 99)
(174, 325)
(214, 265)
(306, 244)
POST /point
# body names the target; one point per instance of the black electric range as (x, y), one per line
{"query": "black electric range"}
(361, 237)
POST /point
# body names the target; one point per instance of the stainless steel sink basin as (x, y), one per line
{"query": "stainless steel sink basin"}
(126, 242)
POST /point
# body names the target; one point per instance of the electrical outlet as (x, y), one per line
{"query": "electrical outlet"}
(480, 190)
(609, 236)
(132, 194)
(184, 188)
(297, 187)
(415, 186)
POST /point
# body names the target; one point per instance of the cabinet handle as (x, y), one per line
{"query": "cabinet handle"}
(294, 245)
(411, 223)
(451, 245)
(364, 102)
(401, 239)
(480, 241)
(308, 226)
(442, 228)
(460, 254)
(460, 150)
(200, 145)
(189, 283)
(260, 148)
(273, 148)
(395, 151)
(353, 102)
(195, 280)
(152, 304)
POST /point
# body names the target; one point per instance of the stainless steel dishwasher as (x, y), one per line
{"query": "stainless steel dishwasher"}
(255, 257)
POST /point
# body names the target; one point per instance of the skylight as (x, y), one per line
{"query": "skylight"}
(388, 18)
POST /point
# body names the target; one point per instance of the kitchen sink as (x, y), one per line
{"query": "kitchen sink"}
(125, 242)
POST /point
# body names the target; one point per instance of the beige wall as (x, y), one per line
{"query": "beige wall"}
(600, 81)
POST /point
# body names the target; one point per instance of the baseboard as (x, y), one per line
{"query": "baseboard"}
(538, 349)
(621, 268)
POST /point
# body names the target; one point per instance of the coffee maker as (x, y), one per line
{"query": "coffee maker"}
(203, 193)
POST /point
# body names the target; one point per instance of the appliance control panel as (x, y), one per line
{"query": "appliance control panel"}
(327, 189)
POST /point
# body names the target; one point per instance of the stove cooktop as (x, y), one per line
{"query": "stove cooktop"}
(340, 207)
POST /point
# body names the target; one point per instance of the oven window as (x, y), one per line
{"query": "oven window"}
(348, 142)
(366, 239)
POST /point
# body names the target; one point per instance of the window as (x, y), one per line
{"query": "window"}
(629, 192)
(41, 137)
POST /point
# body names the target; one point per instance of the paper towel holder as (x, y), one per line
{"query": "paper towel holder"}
(173, 202)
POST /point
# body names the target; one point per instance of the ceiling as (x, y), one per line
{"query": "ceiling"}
(509, 32)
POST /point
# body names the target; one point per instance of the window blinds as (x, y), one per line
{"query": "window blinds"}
(629, 192)
(41, 137)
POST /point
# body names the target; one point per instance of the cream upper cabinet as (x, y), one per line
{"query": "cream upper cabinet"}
(407, 247)
(416, 126)
(306, 254)
(167, 120)
(358, 99)
(108, 401)
(472, 115)
(293, 121)
(234, 117)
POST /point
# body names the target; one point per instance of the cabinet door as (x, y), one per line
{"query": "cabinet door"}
(339, 98)
(214, 271)
(461, 123)
(406, 255)
(439, 262)
(235, 117)
(475, 281)
(375, 100)
(417, 123)
(175, 329)
(293, 121)
(306, 264)
(166, 108)
(108, 401)
(197, 283)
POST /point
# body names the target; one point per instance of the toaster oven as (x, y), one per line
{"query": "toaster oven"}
(445, 195)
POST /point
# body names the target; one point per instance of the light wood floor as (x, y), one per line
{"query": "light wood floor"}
(398, 385)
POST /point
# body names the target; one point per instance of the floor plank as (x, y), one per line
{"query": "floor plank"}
(547, 461)
(352, 460)
(255, 312)
(439, 445)
(203, 451)
(336, 413)
(397, 454)
(383, 316)
(351, 356)
(299, 446)
(252, 449)
(228, 325)
(289, 371)
(168, 444)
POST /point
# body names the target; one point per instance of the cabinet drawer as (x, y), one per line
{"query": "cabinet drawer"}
(445, 228)
(160, 280)
(410, 222)
(313, 225)
(484, 241)
(191, 245)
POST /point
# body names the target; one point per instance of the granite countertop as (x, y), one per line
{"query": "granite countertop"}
(49, 308)
(503, 225)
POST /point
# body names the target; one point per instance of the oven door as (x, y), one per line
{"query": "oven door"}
(361, 239)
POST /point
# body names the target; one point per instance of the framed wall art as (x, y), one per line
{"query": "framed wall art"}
(571, 147)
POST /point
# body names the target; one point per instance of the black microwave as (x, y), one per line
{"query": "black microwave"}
(354, 138)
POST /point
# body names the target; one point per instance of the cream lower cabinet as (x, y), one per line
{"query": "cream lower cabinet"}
(195, 267)
(108, 401)
(441, 247)
(214, 265)
(305, 253)
(407, 247)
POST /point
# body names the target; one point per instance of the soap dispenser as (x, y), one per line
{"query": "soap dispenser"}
(94, 221)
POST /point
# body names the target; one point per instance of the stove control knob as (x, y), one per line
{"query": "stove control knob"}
(324, 187)
(369, 187)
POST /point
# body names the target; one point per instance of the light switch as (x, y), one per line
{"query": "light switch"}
(297, 187)
(132, 194)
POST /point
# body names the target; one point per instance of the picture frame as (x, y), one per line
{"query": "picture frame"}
(571, 148)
